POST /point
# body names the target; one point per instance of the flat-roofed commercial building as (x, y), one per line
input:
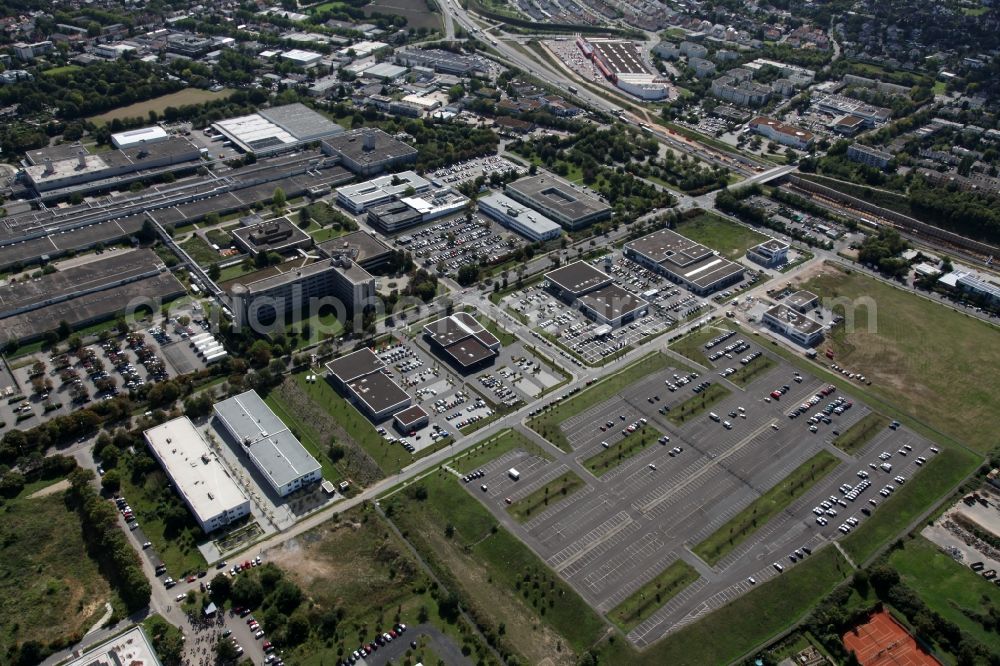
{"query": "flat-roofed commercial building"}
(787, 135)
(411, 419)
(770, 253)
(203, 482)
(558, 200)
(594, 292)
(369, 151)
(138, 137)
(794, 325)
(367, 251)
(278, 129)
(278, 235)
(265, 439)
(361, 378)
(113, 167)
(612, 305)
(264, 300)
(359, 197)
(407, 211)
(802, 301)
(463, 341)
(132, 648)
(516, 216)
(683, 261)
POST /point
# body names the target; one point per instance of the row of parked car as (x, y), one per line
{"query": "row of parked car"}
(372, 646)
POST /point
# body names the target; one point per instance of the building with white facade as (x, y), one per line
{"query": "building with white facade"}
(203, 482)
(516, 216)
(257, 432)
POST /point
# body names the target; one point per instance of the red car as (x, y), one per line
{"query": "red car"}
(268, 646)
(192, 578)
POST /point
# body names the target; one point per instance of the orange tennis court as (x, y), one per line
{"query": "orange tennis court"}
(884, 642)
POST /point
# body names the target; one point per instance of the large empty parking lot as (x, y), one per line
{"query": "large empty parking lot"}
(652, 505)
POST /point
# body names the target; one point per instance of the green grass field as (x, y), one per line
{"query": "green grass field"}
(200, 251)
(893, 515)
(389, 457)
(692, 345)
(354, 566)
(158, 104)
(177, 548)
(947, 587)
(751, 371)
(859, 434)
(725, 539)
(727, 633)
(493, 448)
(547, 424)
(306, 434)
(619, 452)
(653, 595)
(50, 588)
(502, 335)
(935, 364)
(499, 578)
(718, 233)
(696, 404)
(554, 491)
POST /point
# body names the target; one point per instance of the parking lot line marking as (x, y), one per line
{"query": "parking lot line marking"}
(589, 541)
(697, 475)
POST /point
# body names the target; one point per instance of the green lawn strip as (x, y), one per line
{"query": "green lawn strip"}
(177, 548)
(497, 296)
(713, 142)
(200, 251)
(754, 618)
(725, 539)
(749, 372)
(493, 448)
(503, 336)
(946, 586)
(697, 404)
(718, 233)
(939, 363)
(692, 345)
(310, 438)
(494, 572)
(859, 434)
(389, 457)
(653, 595)
(938, 477)
(547, 423)
(555, 490)
(619, 452)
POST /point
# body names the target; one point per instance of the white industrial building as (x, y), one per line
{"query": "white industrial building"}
(277, 129)
(302, 57)
(359, 197)
(267, 442)
(138, 137)
(516, 216)
(202, 481)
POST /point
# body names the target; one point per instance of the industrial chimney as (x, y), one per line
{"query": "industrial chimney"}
(369, 140)
(48, 166)
(81, 156)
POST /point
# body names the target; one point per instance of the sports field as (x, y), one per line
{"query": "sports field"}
(881, 641)
(158, 104)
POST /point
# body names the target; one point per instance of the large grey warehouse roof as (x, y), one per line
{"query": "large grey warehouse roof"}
(612, 302)
(551, 193)
(80, 279)
(577, 277)
(669, 248)
(300, 121)
(379, 392)
(272, 446)
(381, 146)
(356, 364)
